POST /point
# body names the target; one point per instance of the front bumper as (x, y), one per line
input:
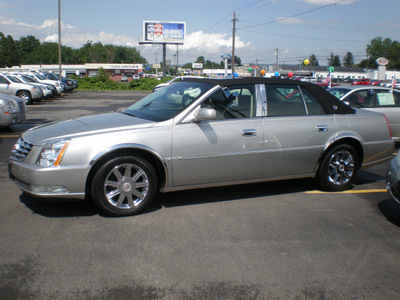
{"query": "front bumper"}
(54, 182)
(36, 95)
(393, 179)
(11, 119)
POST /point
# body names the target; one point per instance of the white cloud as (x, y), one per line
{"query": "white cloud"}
(289, 20)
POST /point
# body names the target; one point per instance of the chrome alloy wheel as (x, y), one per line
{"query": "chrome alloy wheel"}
(126, 186)
(341, 167)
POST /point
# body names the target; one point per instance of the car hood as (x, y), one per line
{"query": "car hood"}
(9, 97)
(83, 126)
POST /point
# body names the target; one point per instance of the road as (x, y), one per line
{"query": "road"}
(276, 240)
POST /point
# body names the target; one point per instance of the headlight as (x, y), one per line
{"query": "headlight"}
(52, 153)
(11, 107)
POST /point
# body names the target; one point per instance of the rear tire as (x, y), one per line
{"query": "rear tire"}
(124, 186)
(338, 168)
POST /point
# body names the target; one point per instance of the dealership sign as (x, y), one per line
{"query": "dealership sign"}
(382, 61)
(164, 32)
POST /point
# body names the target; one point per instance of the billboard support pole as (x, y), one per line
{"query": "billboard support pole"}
(164, 50)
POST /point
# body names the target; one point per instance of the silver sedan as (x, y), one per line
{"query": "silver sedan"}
(373, 98)
(201, 133)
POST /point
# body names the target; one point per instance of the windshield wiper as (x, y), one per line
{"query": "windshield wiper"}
(127, 113)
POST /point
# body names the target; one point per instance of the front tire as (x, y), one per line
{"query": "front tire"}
(26, 96)
(124, 186)
(338, 168)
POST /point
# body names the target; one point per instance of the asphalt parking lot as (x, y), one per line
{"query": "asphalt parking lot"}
(275, 240)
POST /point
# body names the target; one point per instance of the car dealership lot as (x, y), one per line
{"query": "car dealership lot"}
(276, 240)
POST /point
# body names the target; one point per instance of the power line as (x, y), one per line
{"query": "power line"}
(293, 16)
(307, 38)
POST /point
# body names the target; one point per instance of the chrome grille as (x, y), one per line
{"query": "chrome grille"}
(21, 106)
(21, 150)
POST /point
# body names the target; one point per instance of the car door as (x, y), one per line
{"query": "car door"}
(296, 131)
(388, 103)
(5, 86)
(228, 148)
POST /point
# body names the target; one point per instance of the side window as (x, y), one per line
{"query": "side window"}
(387, 98)
(361, 99)
(284, 101)
(313, 105)
(235, 102)
(3, 80)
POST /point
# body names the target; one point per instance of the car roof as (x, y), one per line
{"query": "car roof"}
(360, 87)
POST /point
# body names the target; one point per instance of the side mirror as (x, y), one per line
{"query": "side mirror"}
(206, 114)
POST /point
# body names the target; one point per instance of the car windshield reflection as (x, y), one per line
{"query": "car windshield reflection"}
(168, 102)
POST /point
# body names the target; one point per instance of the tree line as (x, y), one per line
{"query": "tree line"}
(29, 50)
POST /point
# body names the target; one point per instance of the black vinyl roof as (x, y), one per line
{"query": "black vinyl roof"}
(330, 103)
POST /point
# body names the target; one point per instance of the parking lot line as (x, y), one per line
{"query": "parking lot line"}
(8, 135)
(349, 192)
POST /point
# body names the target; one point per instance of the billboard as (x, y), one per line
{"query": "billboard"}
(164, 32)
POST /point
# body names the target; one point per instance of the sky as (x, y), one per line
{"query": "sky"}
(297, 28)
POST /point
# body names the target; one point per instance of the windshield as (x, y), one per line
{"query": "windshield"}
(168, 102)
(27, 78)
(14, 79)
(41, 77)
(52, 76)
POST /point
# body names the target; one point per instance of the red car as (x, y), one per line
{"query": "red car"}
(363, 81)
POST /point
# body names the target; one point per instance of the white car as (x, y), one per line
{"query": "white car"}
(43, 79)
(12, 110)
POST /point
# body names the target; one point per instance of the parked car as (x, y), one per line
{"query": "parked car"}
(373, 98)
(47, 92)
(375, 82)
(201, 133)
(25, 91)
(15, 79)
(44, 79)
(33, 79)
(393, 179)
(70, 84)
(173, 80)
(362, 81)
(12, 110)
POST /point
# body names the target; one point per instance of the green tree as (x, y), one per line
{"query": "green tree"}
(336, 61)
(348, 60)
(313, 60)
(331, 59)
(380, 47)
(27, 46)
(9, 52)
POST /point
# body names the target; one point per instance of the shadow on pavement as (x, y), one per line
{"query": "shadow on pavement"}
(61, 208)
(391, 210)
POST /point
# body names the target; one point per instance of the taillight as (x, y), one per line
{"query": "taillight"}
(390, 129)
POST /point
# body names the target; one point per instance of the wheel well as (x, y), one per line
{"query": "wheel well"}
(346, 141)
(151, 158)
(20, 91)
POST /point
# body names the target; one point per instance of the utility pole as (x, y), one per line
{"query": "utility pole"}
(276, 55)
(233, 42)
(59, 40)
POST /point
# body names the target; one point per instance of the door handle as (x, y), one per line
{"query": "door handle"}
(249, 132)
(322, 128)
